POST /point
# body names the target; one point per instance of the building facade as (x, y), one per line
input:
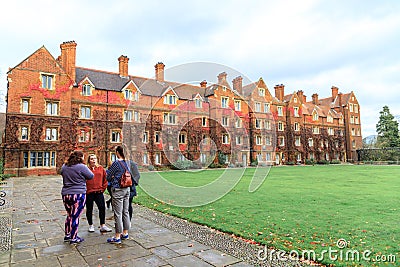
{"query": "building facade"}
(55, 107)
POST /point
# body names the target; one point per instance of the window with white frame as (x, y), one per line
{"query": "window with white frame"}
(157, 158)
(238, 140)
(355, 108)
(297, 141)
(52, 108)
(47, 81)
(224, 121)
(136, 116)
(225, 138)
(113, 156)
(331, 131)
(261, 91)
(329, 118)
(352, 119)
(136, 96)
(170, 99)
(25, 105)
(86, 112)
(259, 157)
(281, 126)
(258, 124)
(351, 107)
(157, 137)
(24, 133)
(281, 141)
(268, 140)
(204, 121)
(39, 159)
(258, 140)
(115, 136)
(353, 143)
(238, 105)
(145, 158)
(224, 102)
(86, 90)
(257, 106)
(315, 130)
(298, 157)
(280, 110)
(296, 111)
(296, 126)
(51, 134)
(310, 142)
(128, 114)
(128, 94)
(267, 124)
(198, 103)
(169, 118)
(145, 138)
(266, 107)
(356, 120)
(238, 123)
(353, 132)
(268, 156)
(182, 138)
(85, 135)
(315, 115)
(358, 132)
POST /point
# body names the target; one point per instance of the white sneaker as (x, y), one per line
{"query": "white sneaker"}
(91, 228)
(105, 228)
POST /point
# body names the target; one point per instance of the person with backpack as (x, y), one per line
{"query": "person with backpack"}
(120, 196)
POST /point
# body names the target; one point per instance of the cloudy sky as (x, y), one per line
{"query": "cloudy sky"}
(308, 45)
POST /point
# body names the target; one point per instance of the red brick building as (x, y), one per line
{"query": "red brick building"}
(54, 107)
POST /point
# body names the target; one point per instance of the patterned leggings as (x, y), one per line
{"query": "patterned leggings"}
(74, 205)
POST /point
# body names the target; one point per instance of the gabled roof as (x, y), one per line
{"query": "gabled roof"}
(102, 79)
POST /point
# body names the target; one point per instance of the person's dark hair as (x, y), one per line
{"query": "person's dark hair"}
(75, 157)
(120, 150)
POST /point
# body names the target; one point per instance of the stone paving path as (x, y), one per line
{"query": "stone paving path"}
(32, 232)
(37, 235)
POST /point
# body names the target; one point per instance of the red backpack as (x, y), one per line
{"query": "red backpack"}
(126, 178)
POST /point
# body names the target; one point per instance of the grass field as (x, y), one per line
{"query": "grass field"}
(304, 208)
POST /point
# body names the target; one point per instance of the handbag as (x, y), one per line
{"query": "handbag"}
(126, 178)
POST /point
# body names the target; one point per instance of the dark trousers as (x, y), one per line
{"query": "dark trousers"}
(98, 198)
(130, 208)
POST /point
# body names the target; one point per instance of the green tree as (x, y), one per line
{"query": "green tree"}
(387, 129)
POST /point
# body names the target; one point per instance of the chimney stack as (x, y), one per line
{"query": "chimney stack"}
(68, 58)
(238, 85)
(340, 99)
(301, 96)
(315, 99)
(203, 84)
(123, 65)
(279, 91)
(335, 91)
(159, 71)
(221, 77)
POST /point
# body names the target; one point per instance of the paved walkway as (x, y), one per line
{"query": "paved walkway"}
(35, 207)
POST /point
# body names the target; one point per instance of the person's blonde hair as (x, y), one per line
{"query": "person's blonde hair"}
(93, 155)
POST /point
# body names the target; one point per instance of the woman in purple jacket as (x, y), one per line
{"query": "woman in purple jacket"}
(73, 192)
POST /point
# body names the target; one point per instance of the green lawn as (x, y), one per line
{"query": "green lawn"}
(303, 208)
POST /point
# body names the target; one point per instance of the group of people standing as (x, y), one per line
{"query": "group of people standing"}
(84, 184)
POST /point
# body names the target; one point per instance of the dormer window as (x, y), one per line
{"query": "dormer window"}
(136, 96)
(261, 91)
(315, 116)
(198, 103)
(47, 81)
(86, 89)
(329, 118)
(170, 99)
(128, 94)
